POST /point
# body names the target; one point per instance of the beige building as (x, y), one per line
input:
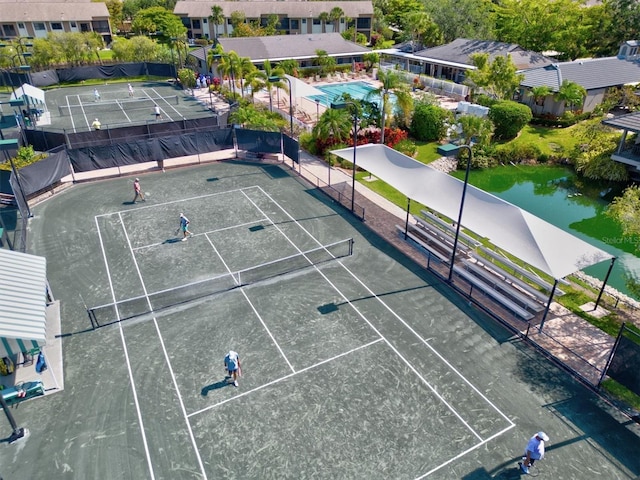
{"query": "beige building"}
(36, 19)
(296, 17)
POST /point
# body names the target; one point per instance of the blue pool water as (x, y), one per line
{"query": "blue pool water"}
(332, 93)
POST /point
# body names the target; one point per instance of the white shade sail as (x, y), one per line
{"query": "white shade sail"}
(533, 240)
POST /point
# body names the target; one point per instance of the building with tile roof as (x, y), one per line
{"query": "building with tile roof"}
(296, 17)
(595, 75)
(37, 19)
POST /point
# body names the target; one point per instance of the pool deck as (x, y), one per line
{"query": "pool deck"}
(308, 111)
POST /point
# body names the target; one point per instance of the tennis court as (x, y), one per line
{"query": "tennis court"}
(76, 108)
(356, 363)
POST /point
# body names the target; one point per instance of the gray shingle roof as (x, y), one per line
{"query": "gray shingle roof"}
(591, 74)
(460, 50)
(254, 9)
(52, 11)
(629, 122)
(290, 46)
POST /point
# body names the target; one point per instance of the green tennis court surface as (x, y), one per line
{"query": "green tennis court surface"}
(354, 366)
(76, 108)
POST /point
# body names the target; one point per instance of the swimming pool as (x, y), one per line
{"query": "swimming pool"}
(332, 93)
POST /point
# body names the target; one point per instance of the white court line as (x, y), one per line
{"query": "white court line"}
(84, 114)
(278, 380)
(463, 453)
(126, 356)
(361, 315)
(125, 113)
(166, 355)
(425, 342)
(156, 101)
(143, 207)
(172, 107)
(73, 124)
(264, 325)
(206, 233)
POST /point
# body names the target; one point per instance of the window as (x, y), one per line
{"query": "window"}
(9, 30)
(21, 26)
(39, 26)
(364, 23)
(196, 24)
(295, 24)
(56, 26)
(204, 20)
(84, 27)
(316, 21)
(73, 24)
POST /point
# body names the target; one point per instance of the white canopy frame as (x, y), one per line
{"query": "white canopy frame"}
(531, 239)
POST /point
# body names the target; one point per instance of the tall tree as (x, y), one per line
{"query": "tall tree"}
(539, 93)
(324, 18)
(571, 94)
(462, 18)
(498, 78)
(335, 15)
(269, 71)
(158, 19)
(216, 18)
(391, 82)
(418, 27)
(333, 123)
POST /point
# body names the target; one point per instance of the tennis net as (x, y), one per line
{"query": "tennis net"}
(109, 106)
(163, 299)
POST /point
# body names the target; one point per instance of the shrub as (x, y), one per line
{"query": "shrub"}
(485, 100)
(517, 153)
(509, 118)
(428, 122)
(407, 147)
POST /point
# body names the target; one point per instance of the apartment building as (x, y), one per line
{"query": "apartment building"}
(295, 17)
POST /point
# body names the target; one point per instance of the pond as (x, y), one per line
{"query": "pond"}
(561, 198)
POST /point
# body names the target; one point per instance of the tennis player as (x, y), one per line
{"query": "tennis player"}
(138, 191)
(533, 451)
(130, 90)
(96, 95)
(232, 366)
(96, 125)
(156, 110)
(184, 226)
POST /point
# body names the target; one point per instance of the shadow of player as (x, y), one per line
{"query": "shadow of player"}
(215, 386)
(171, 240)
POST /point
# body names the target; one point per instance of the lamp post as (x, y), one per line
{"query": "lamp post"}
(317, 109)
(448, 151)
(274, 79)
(173, 59)
(342, 105)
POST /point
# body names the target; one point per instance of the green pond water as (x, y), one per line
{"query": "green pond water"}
(561, 198)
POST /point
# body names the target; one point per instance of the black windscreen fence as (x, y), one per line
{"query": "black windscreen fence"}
(291, 148)
(46, 172)
(257, 141)
(624, 367)
(42, 140)
(45, 78)
(77, 74)
(149, 150)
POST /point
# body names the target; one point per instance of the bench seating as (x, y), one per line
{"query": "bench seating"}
(422, 242)
(31, 389)
(506, 288)
(534, 292)
(496, 295)
(443, 237)
(450, 228)
(531, 276)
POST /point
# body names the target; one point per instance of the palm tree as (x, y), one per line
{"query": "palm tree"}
(244, 68)
(539, 93)
(571, 94)
(324, 18)
(334, 123)
(228, 67)
(324, 61)
(335, 15)
(391, 83)
(267, 72)
(477, 128)
(217, 18)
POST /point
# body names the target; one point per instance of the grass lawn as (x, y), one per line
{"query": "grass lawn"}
(427, 152)
(547, 139)
(105, 54)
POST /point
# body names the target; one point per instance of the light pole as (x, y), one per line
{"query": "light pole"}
(342, 105)
(173, 59)
(274, 79)
(449, 150)
(317, 109)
